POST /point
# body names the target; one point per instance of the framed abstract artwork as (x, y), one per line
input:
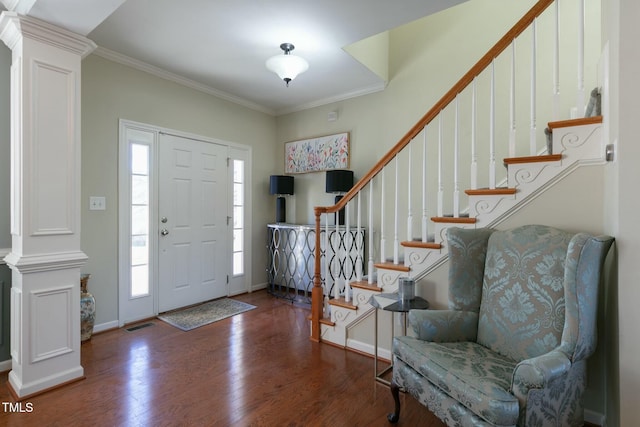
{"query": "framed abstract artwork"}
(317, 154)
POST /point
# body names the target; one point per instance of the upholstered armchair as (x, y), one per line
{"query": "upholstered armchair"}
(512, 347)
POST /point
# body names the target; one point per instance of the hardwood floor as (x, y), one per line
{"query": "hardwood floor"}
(254, 369)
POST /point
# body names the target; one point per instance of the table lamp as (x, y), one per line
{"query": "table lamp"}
(281, 185)
(339, 181)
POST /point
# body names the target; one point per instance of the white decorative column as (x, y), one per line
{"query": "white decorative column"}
(45, 257)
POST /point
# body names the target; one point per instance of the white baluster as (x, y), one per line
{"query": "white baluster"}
(396, 241)
(474, 129)
(534, 48)
(425, 223)
(347, 292)
(336, 267)
(492, 128)
(580, 95)
(370, 264)
(456, 149)
(383, 239)
(348, 242)
(556, 64)
(512, 103)
(327, 256)
(359, 247)
(409, 197)
(440, 185)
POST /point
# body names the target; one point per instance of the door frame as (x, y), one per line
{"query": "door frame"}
(234, 151)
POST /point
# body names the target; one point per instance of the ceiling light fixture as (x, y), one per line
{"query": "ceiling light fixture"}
(287, 66)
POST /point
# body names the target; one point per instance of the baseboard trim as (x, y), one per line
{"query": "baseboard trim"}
(106, 326)
(259, 286)
(5, 365)
(362, 347)
(593, 417)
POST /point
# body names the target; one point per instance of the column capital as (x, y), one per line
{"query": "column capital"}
(45, 262)
(15, 27)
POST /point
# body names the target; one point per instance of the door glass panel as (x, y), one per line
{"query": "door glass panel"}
(238, 217)
(237, 240)
(139, 159)
(238, 263)
(140, 190)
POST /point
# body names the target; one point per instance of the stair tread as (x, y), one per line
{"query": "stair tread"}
(490, 191)
(324, 320)
(327, 321)
(575, 122)
(417, 244)
(363, 284)
(452, 220)
(392, 266)
(340, 302)
(532, 159)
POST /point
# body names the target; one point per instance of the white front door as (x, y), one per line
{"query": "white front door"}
(192, 220)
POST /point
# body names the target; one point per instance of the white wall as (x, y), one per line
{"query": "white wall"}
(111, 91)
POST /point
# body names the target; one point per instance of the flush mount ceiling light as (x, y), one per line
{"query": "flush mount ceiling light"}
(287, 66)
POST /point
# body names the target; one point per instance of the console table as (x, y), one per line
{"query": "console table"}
(292, 259)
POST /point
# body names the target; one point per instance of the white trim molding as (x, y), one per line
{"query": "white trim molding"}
(175, 78)
(38, 263)
(14, 26)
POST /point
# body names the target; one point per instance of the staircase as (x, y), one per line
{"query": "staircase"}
(425, 169)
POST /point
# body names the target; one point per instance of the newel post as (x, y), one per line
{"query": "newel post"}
(316, 294)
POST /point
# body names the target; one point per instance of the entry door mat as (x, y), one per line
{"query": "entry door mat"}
(204, 314)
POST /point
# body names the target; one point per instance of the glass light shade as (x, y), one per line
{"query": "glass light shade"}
(287, 66)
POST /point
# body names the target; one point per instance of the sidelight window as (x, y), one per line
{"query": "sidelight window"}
(140, 190)
(238, 253)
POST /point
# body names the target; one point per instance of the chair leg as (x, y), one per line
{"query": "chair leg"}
(395, 392)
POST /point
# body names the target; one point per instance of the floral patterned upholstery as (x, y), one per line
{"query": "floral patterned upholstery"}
(512, 347)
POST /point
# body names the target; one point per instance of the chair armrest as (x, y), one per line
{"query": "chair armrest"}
(538, 372)
(444, 325)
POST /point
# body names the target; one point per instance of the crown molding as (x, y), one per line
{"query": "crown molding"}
(367, 90)
(14, 26)
(175, 78)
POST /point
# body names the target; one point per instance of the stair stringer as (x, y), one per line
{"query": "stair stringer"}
(579, 145)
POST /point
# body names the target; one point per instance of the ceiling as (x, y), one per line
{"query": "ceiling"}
(220, 46)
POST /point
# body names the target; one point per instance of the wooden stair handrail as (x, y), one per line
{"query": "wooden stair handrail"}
(449, 97)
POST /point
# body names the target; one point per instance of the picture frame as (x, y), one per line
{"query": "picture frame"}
(317, 154)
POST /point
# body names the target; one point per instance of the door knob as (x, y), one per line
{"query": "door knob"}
(164, 231)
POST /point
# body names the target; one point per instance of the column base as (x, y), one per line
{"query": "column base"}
(21, 392)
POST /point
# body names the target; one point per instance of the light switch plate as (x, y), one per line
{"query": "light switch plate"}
(97, 203)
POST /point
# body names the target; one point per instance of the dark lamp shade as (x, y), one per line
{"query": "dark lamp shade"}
(280, 184)
(339, 181)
